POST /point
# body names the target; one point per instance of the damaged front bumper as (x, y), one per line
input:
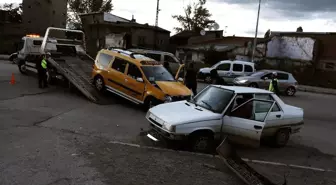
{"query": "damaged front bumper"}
(156, 134)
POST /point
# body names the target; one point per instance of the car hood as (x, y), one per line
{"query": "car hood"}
(177, 113)
(205, 70)
(173, 88)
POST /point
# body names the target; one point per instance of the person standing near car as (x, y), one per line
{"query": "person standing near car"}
(274, 85)
(42, 71)
(191, 78)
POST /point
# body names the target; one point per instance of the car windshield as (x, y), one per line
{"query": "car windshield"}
(157, 73)
(259, 73)
(213, 98)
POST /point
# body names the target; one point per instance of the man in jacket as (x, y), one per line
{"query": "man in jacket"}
(274, 85)
(42, 71)
(191, 78)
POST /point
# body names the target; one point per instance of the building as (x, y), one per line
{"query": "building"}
(10, 33)
(102, 28)
(38, 15)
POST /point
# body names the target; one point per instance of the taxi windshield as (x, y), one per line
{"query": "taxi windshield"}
(157, 73)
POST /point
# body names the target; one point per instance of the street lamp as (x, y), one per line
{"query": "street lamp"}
(256, 33)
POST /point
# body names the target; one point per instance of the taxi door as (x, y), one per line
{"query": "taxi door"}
(135, 82)
(244, 124)
(116, 76)
(180, 74)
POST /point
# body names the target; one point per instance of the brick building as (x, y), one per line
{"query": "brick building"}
(98, 26)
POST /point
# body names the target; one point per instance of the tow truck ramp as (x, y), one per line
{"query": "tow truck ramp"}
(233, 161)
(69, 58)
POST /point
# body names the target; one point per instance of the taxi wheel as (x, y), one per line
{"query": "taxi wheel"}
(99, 83)
(281, 138)
(202, 142)
(149, 103)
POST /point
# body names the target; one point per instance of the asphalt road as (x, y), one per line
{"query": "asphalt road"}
(54, 136)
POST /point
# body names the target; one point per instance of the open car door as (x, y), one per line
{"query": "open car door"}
(245, 123)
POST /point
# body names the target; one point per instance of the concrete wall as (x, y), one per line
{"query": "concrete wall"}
(38, 15)
(297, 48)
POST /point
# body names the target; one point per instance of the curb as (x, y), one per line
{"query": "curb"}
(319, 91)
(4, 57)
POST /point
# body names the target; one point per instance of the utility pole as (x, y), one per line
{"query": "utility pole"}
(157, 13)
(256, 33)
(156, 23)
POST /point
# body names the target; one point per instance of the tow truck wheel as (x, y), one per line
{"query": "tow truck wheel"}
(22, 67)
(281, 137)
(202, 142)
(99, 83)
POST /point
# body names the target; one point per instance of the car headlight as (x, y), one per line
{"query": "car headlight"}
(171, 128)
(168, 99)
(242, 81)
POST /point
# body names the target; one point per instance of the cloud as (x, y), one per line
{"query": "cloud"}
(294, 9)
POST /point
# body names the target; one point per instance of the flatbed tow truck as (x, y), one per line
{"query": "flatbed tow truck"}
(70, 62)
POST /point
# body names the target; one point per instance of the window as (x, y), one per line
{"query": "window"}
(119, 65)
(37, 42)
(133, 71)
(248, 68)
(157, 73)
(275, 108)
(269, 76)
(329, 65)
(224, 67)
(104, 59)
(260, 108)
(213, 98)
(141, 40)
(282, 76)
(237, 67)
(169, 59)
(156, 57)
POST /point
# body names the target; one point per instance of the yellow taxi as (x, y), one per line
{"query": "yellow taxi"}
(137, 78)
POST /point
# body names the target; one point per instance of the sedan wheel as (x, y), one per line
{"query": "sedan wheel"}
(202, 143)
(254, 85)
(99, 83)
(290, 91)
(281, 137)
(208, 79)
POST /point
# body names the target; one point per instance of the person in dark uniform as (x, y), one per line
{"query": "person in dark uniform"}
(42, 71)
(191, 78)
(216, 79)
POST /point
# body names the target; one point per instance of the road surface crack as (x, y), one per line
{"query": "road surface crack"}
(38, 123)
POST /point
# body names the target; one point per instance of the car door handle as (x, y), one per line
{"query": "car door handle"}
(257, 127)
(278, 116)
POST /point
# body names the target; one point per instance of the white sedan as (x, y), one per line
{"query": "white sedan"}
(244, 114)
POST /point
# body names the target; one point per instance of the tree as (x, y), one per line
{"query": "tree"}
(299, 29)
(14, 12)
(196, 17)
(267, 34)
(77, 7)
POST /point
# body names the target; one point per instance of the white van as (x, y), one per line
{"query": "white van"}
(161, 56)
(227, 69)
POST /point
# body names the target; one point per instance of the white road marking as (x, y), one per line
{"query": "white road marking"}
(217, 156)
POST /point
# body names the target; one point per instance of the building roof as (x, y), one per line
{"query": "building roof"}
(131, 25)
(188, 33)
(301, 33)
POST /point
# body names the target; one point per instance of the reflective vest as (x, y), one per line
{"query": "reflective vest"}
(44, 64)
(270, 87)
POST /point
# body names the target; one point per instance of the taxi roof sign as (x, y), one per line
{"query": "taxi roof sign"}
(148, 62)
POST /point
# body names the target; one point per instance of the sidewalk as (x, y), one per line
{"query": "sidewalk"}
(320, 90)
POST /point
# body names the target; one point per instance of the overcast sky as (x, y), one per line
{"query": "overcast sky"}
(238, 15)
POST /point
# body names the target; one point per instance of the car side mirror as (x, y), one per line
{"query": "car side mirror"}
(180, 79)
(139, 79)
